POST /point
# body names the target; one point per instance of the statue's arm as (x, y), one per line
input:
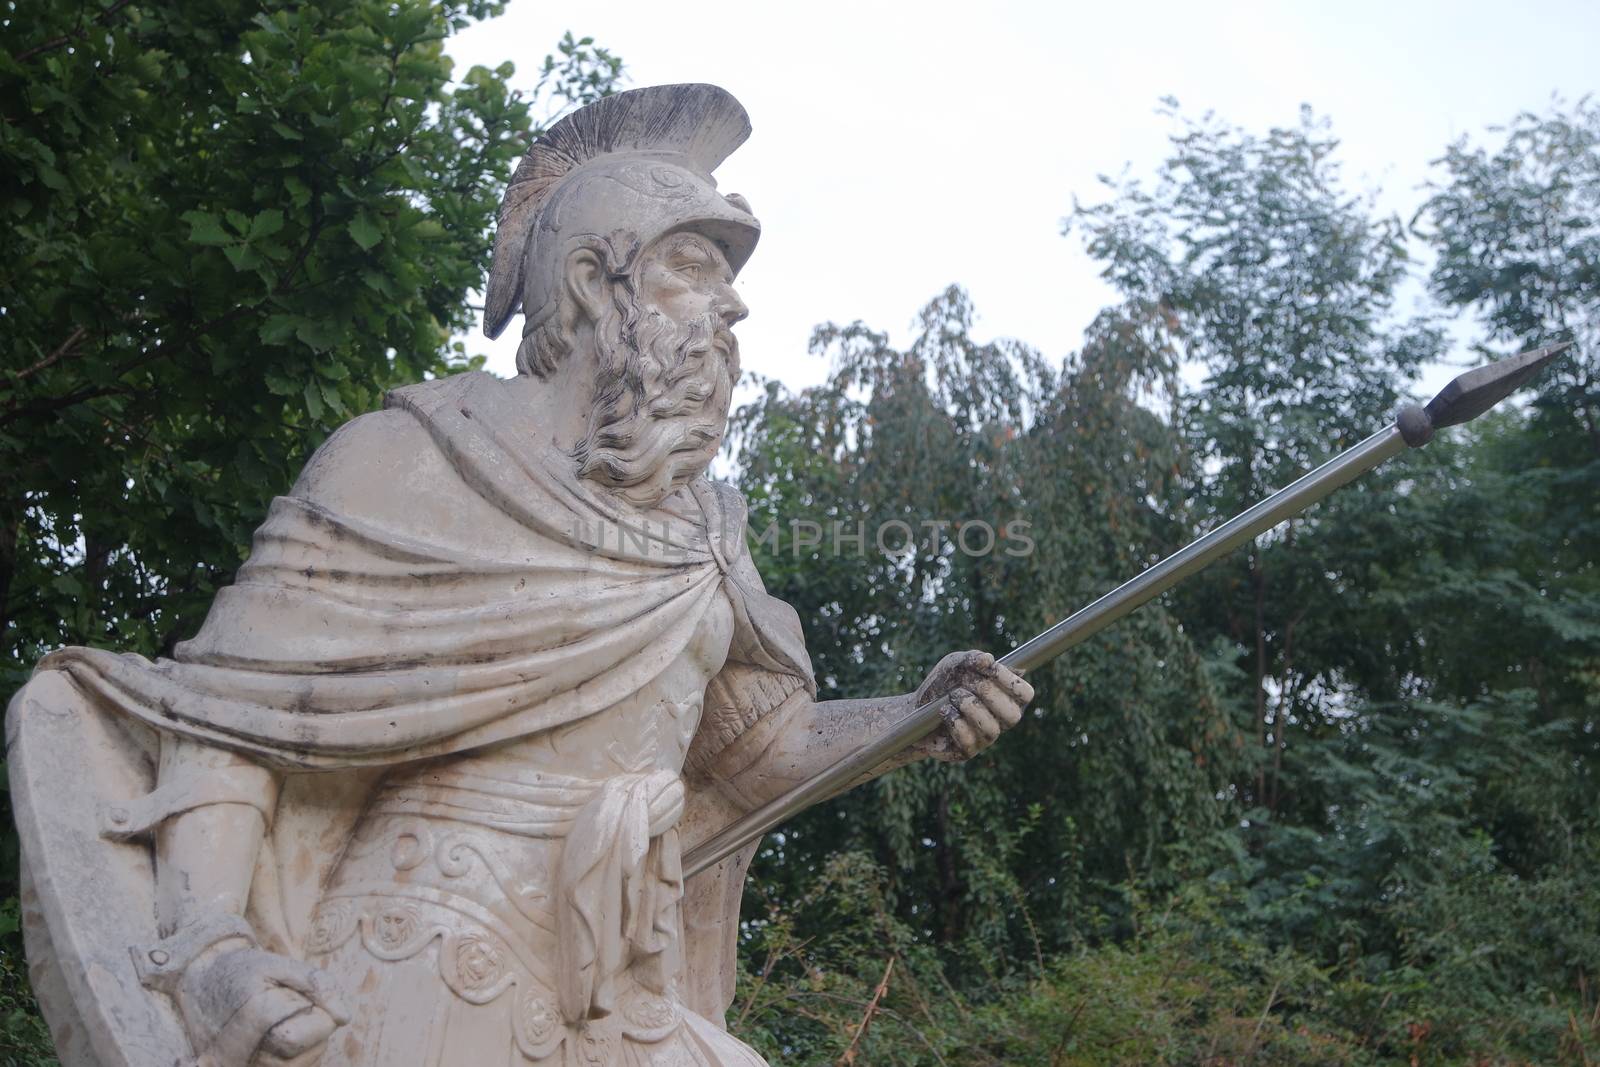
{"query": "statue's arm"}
(205, 856)
(799, 738)
(803, 737)
(209, 816)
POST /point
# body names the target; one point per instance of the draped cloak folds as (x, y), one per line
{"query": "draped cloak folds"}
(351, 643)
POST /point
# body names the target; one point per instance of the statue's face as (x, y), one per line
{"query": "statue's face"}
(687, 278)
(665, 368)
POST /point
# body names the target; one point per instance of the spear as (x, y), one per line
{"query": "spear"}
(1464, 399)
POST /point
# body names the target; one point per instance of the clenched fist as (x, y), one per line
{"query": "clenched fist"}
(240, 1002)
(984, 699)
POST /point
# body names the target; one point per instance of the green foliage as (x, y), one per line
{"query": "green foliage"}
(1517, 232)
(1249, 260)
(958, 433)
(24, 1039)
(1197, 977)
(230, 227)
(1327, 804)
(1185, 986)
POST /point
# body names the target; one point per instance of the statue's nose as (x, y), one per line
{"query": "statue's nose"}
(730, 307)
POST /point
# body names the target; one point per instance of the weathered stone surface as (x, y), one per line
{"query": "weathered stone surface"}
(417, 791)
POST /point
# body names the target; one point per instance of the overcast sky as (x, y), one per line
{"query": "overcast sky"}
(900, 147)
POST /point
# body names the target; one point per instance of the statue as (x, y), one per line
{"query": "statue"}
(417, 791)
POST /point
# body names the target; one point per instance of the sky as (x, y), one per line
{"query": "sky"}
(902, 147)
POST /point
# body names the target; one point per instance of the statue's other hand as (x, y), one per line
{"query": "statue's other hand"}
(985, 698)
(300, 1033)
(237, 1002)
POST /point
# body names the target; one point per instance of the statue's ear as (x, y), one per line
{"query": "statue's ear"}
(586, 284)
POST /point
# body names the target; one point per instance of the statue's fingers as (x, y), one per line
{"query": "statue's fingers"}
(961, 733)
(1009, 680)
(1000, 702)
(328, 996)
(965, 738)
(314, 983)
(1013, 683)
(977, 712)
(952, 663)
(247, 1028)
(299, 1034)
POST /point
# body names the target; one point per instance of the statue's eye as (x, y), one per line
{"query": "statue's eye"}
(691, 270)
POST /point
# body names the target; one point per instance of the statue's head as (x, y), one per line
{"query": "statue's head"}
(619, 250)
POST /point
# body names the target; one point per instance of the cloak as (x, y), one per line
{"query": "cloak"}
(346, 642)
(495, 597)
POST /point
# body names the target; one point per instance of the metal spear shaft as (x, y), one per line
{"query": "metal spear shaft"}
(1465, 398)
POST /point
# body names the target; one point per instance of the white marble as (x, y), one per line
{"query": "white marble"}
(418, 790)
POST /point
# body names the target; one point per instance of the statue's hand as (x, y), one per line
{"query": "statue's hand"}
(985, 699)
(238, 1001)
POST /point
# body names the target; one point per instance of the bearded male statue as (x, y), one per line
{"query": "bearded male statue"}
(416, 792)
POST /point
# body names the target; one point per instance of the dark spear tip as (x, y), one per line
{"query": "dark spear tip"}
(1473, 393)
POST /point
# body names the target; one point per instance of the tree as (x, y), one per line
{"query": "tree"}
(1384, 855)
(1517, 233)
(967, 494)
(1416, 653)
(201, 284)
(1248, 260)
(229, 228)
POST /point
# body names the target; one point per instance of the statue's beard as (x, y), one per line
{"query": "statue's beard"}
(661, 396)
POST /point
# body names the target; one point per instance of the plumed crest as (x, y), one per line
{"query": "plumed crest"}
(700, 124)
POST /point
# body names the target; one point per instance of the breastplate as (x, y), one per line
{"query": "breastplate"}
(546, 869)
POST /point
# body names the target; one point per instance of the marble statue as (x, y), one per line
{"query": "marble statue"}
(416, 792)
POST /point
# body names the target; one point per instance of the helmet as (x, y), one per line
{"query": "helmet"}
(624, 171)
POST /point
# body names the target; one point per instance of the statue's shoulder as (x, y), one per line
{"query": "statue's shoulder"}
(422, 399)
(727, 515)
(724, 498)
(379, 463)
(374, 446)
